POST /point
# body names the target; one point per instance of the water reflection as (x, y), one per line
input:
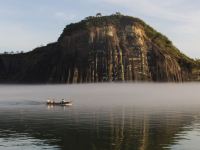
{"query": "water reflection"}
(126, 128)
(98, 121)
(14, 141)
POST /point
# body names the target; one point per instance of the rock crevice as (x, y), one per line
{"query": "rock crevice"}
(99, 50)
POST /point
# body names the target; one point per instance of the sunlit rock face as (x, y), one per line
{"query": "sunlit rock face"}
(100, 49)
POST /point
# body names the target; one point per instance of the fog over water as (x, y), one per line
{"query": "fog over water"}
(107, 116)
(145, 94)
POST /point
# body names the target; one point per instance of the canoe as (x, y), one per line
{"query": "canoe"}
(62, 103)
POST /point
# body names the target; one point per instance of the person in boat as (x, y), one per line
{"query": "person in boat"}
(63, 101)
(49, 101)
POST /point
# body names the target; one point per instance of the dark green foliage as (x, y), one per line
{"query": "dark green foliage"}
(165, 44)
(120, 20)
(58, 62)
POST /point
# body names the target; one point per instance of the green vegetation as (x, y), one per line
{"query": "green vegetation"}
(164, 43)
(120, 20)
(57, 62)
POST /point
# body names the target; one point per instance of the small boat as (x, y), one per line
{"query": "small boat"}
(61, 103)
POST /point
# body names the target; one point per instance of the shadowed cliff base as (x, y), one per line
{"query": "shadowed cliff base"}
(101, 49)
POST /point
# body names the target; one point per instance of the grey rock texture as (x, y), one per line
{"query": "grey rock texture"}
(100, 49)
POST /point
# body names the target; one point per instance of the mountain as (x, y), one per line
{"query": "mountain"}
(98, 49)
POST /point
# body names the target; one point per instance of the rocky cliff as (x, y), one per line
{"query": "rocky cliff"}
(98, 49)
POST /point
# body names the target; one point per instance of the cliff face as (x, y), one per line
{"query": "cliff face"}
(110, 48)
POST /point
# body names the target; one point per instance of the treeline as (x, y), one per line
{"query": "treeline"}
(12, 52)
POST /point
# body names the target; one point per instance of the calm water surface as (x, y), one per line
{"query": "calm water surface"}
(103, 117)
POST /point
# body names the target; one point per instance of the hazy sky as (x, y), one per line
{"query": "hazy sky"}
(26, 24)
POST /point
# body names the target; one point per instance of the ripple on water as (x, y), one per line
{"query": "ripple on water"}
(9, 140)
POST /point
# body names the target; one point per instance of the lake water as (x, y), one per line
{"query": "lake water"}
(103, 117)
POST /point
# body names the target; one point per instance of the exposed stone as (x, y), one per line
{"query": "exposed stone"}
(97, 50)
